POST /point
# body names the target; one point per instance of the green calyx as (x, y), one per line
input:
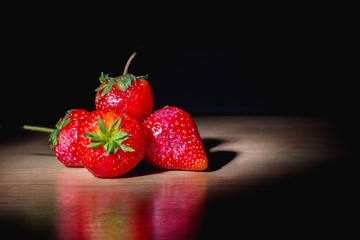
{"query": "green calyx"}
(123, 82)
(54, 136)
(111, 139)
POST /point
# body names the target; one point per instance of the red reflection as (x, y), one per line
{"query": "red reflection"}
(130, 208)
(177, 208)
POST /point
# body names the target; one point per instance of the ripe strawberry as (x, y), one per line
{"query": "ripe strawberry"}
(64, 137)
(174, 141)
(111, 142)
(127, 93)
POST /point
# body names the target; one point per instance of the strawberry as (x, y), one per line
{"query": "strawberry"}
(64, 137)
(174, 141)
(111, 143)
(127, 92)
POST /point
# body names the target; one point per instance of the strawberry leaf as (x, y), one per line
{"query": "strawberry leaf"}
(59, 125)
(101, 87)
(102, 126)
(113, 125)
(127, 148)
(102, 78)
(122, 86)
(54, 138)
(110, 139)
(121, 136)
(118, 124)
(94, 145)
(91, 135)
(107, 148)
(123, 82)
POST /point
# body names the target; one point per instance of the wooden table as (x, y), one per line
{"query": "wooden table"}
(279, 176)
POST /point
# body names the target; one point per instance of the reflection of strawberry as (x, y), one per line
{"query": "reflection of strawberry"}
(87, 210)
(174, 141)
(167, 207)
(178, 202)
(127, 93)
(64, 137)
(71, 205)
(111, 142)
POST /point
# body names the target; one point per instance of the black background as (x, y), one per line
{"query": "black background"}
(220, 59)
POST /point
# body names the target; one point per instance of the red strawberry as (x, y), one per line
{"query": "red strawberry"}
(64, 137)
(127, 93)
(174, 141)
(111, 142)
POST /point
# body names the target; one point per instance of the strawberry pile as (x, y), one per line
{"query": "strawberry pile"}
(123, 130)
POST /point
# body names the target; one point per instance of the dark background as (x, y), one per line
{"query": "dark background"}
(221, 59)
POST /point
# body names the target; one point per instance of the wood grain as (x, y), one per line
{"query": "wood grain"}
(267, 175)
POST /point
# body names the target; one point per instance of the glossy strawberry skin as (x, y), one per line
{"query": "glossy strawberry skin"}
(104, 165)
(174, 141)
(66, 148)
(136, 100)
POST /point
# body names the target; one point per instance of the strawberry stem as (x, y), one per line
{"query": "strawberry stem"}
(38, 129)
(128, 62)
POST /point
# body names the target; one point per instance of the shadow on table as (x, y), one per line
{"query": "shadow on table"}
(217, 159)
(142, 169)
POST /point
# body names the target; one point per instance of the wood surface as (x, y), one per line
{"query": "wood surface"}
(278, 176)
